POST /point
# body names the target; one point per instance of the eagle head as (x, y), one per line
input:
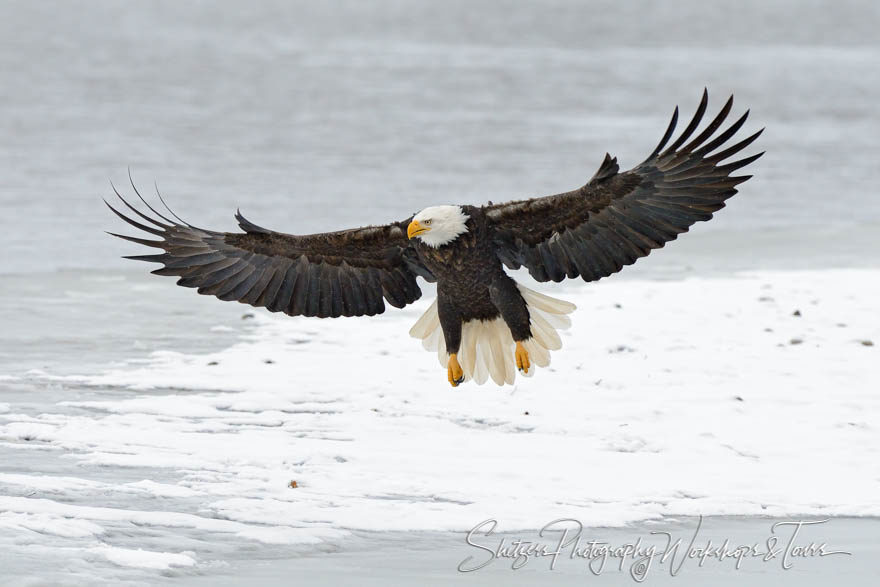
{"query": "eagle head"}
(438, 225)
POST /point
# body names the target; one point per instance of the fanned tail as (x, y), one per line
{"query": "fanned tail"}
(487, 346)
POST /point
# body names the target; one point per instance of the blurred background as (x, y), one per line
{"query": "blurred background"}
(321, 116)
(316, 116)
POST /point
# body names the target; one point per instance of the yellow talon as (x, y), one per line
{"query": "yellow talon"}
(453, 369)
(522, 357)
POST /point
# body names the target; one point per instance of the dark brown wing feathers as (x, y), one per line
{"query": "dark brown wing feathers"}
(617, 218)
(346, 273)
(591, 232)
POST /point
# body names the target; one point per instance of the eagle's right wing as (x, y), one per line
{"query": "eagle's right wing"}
(617, 218)
(345, 273)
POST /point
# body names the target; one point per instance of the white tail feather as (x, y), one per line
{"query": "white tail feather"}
(487, 346)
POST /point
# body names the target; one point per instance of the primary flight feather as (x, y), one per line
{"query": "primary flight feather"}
(483, 324)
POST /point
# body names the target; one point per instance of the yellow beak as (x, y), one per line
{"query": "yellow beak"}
(415, 229)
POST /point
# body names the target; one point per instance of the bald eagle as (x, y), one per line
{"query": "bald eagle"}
(483, 323)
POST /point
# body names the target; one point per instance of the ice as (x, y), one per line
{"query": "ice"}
(44, 523)
(667, 399)
(143, 559)
(700, 396)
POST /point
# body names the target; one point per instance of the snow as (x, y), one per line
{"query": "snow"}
(44, 523)
(143, 559)
(49, 483)
(744, 395)
(158, 489)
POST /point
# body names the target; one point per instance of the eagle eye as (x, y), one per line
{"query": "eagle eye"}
(427, 222)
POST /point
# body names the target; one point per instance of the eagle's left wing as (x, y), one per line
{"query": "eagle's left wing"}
(617, 218)
(345, 273)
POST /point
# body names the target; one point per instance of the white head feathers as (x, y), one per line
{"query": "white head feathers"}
(439, 225)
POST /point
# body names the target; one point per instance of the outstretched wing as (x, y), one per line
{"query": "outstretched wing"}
(617, 218)
(346, 273)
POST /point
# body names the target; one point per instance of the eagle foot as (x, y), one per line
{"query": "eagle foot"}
(454, 371)
(522, 357)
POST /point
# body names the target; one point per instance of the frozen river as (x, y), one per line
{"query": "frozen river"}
(148, 434)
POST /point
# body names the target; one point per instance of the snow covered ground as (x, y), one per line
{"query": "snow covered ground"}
(754, 394)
